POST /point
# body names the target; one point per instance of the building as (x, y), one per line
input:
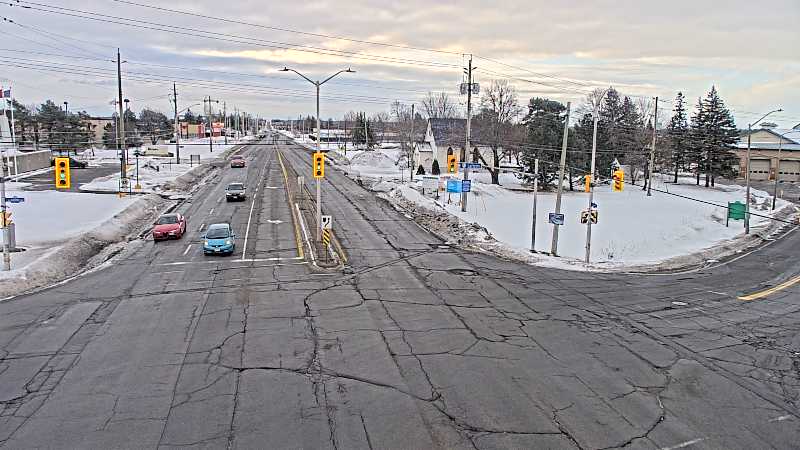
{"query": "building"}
(772, 151)
(97, 125)
(445, 137)
(192, 130)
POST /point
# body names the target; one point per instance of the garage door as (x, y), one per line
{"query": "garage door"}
(759, 169)
(790, 170)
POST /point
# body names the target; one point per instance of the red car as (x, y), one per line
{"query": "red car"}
(238, 161)
(169, 226)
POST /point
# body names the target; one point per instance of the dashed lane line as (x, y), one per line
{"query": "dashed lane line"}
(187, 249)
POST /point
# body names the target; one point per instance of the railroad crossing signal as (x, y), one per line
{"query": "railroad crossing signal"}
(319, 165)
(452, 165)
(587, 214)
(62, 173)
(5, 219)
(619, 180)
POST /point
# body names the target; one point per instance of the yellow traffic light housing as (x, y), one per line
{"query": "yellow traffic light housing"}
(619, 180)
(588, 183)
(319, 165)
(5, 219)
(62, 173)
(452, 166)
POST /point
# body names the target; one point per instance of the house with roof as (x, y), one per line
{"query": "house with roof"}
(445, 137)
(773, 152)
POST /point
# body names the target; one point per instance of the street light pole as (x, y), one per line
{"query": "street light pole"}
(317, 84)
(747, 173)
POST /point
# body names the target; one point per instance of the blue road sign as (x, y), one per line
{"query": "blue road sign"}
(466, 186)
(469, 165)
(454, 186)
(15, 199)
(556, 219)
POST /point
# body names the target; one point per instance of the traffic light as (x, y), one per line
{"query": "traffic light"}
(451, 164)
(5, 219)
(62, 173)
(619, 180)
(319, 165)
(588, 182)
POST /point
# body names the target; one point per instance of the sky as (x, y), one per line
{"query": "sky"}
(64, 50)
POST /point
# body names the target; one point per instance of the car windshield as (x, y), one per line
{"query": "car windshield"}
(167, 220)
(235, 187)
(217, 233)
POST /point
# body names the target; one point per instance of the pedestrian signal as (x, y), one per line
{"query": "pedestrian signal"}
(62, 173)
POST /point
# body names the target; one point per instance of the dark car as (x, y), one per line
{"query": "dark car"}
(73, 163)
(238, 161)
(235, 191)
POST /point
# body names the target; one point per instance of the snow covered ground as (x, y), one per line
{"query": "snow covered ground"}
(633, 229)
(153, 171)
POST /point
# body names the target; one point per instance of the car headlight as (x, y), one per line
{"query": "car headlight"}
(228, 242)
(206, 243)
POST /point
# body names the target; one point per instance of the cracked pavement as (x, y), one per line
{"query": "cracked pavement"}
(417, 345)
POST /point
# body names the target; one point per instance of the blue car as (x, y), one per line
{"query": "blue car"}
(219, 240)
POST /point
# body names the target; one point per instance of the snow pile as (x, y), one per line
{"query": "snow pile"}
(633, 229)
(372, 159)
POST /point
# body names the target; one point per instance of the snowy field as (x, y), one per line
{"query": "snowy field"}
(154, 171)
(633, 229)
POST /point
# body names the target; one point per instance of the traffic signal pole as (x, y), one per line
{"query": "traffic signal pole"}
(467, 134)
(6, 237)
(560, 186)
(319, 180)
(591, 189)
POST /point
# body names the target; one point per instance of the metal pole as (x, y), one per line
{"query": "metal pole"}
(121, 128)
(535, 196)
(210, 128)
(225, 120)
(652, 151)
(467, 134)
(411, 162)
(747, 183)
(6, 231)
(591, 190)
(560, 181)
(319, 181)
(13, 134)
(177, 126)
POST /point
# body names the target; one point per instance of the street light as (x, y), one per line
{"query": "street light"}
(747, 174)
(778, 168)
(317, 84)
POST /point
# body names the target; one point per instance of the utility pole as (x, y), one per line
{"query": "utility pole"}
(560, 181)
(411, 160)
(177, 125)
(6, 229)
(366, 133)
(121, 125)
(467, 134)
(225, 120)
(535, 196)
(652, 151)
(210, 125)
(591, 188)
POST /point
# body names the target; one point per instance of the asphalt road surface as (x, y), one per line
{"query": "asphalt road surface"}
(78, 177)
(418, 345)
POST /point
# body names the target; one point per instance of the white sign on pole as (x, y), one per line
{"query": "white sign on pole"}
(430, 182)
(327, 222)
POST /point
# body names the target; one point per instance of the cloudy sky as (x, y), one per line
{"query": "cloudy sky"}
(62, 50)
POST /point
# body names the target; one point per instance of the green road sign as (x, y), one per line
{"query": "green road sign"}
(736, 210)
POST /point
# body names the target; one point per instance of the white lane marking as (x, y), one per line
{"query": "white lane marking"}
(202, 225)
(211, 211)
(305, 233)
(781, 418)
(275, 222)
(684, 444)
(187, 249)
(272, 187)
(247, 230)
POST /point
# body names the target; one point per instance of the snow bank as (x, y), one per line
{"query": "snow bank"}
(633, 229)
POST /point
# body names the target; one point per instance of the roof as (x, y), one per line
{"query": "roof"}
(791, 135)
(424, 147)
(449, 132)
(218, 225)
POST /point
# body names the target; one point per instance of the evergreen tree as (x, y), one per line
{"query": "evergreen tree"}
(357, 132)
(110, 134)
(697, 149)
(544, 124)
(435, 168)
(420, 170)
(716, 127)
(678, 132)
(154, 125)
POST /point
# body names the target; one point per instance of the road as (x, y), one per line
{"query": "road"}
(417, 345)
(45, 181)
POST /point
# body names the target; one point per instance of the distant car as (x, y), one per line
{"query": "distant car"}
(238, 161)
(219, 239)
(73, 163)
(235, 191)
(169, 226)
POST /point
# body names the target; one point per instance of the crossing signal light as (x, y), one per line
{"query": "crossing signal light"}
(619, 180)
(451, 164)
(62, 173)
(319, 165)
(5, 219)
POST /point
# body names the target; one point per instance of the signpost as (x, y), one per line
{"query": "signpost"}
(15, 199)
(430, 182)
(470, 165)
(736, 211)
(327, 222)
(454, 186)
(556, 219)
(587, 215)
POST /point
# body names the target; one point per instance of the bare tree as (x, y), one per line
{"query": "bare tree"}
(380, 120)
(439, 106)
(495, 124)
(401, 113)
